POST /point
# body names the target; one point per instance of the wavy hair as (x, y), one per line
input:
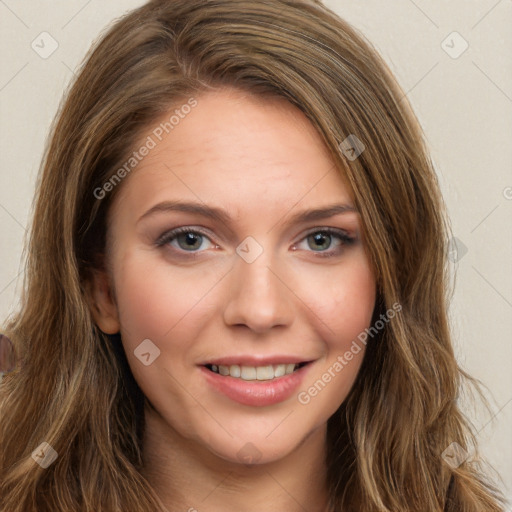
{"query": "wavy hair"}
(70, 388)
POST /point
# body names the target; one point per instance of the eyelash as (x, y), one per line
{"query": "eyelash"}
(346, 240)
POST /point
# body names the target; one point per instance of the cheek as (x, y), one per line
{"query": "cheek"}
(155, 301)
(346, 305)
(343, 315)
(167, 308)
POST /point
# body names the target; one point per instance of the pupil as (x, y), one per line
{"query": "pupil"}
(190, 238)
(318, 238)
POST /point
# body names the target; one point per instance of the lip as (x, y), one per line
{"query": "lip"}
(256, 393)
(247, 360)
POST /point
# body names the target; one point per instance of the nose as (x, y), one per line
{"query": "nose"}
(258, 297)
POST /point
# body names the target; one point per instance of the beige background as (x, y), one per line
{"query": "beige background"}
(463, 101)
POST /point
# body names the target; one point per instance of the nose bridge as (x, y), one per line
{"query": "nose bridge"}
(258, 298)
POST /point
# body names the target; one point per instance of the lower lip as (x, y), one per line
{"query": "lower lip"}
(257, 393)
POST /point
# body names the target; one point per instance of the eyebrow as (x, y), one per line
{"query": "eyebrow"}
(222, 216)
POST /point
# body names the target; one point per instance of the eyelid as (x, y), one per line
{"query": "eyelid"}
(173, 233)
(329, 229)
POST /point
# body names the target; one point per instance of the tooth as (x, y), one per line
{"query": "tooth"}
(264, 372)
(279, 370)
(268, 372)
(248, 373)
(289, 368)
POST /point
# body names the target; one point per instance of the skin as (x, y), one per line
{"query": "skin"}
(262, 161)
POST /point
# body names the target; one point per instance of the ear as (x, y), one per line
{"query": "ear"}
(102, 303)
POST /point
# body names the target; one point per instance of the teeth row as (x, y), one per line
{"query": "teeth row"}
(255, 372)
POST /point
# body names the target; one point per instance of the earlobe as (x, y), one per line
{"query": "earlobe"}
(102, 304)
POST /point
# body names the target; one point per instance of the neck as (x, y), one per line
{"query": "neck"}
(186, 476)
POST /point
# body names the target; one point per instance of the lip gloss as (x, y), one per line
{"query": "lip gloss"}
(253, 392)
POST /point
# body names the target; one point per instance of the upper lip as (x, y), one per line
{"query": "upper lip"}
(248, 360)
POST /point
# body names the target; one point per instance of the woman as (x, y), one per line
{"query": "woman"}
(184, 345)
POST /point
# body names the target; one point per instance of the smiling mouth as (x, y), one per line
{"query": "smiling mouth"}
(268, 372)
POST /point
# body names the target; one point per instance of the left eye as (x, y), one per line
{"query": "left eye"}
(186, 238)
(323, 238)
(190, 240)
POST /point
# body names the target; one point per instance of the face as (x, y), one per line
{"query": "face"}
(249, 288)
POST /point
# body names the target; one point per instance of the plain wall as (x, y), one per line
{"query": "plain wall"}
(463, 102)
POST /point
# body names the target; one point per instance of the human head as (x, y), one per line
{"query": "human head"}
(145, 66)
(262, 163)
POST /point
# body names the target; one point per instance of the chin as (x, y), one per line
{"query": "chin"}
(256, 443)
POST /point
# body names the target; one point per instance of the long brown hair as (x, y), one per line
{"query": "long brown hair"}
(69, 390)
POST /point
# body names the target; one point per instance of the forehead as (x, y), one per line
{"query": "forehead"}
(241, 151)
